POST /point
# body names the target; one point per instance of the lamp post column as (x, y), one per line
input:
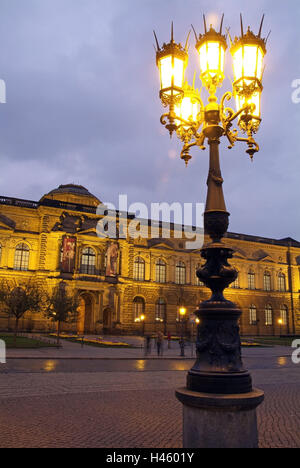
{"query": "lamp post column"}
(219, 390)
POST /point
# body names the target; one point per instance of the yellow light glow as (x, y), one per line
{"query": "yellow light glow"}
(282, 361)
(182, 311)
(178, 72)
(248, 62)
(280, 321)
(171, 73)
(142, 317)
(50, 366)
(254, 99)
(212, 57)
(166, 72)
(238, 64)
(140, 365)
(189, 108)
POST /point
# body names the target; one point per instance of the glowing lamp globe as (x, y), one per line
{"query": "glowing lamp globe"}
(248, 53)
(172, 60)
(211, 47)
(189, 107)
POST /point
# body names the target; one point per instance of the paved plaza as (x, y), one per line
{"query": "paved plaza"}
(97, 397)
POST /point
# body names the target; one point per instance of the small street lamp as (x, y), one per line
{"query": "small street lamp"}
(182, 312)
(218, 368)
(194, 320)
(141, 319)
(280, 322)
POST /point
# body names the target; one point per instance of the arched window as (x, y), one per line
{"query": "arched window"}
(267, 281)
(180, 273)
(160, 310)
(281, 282)
(268, 315)
(21, 257)
(251, 280)
(284, 314)
(138, 307)
(88, 261)
(139, 269)
(160, 271)
(252, 315)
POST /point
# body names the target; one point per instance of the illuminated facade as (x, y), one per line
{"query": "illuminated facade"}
(56, 240)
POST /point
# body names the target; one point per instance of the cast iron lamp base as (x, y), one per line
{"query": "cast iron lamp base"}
(219, 421)
(219, 367)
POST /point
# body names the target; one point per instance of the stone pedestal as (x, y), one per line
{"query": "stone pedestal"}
(219, 421)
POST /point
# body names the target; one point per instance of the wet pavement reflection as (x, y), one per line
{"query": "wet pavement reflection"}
(126, 365)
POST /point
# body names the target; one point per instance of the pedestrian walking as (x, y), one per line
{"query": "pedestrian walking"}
(159, 343)
(182, 346)
(147, 345)
(169, 340)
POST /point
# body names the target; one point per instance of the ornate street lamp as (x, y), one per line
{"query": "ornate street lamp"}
(218, 368)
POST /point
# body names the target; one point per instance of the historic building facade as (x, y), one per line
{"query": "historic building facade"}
(119, 280)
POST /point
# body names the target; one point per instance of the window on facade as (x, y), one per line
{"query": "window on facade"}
(268, 315)
(198, 281)
(283, 314)
(267, 281)
(180, 273)
(21, 257)
(252, 315)
(236, 283)
(160, 310)
(160, 271)
(138, 307)
(88, 261)
(139, 269)
(251, 280)
(281, 282)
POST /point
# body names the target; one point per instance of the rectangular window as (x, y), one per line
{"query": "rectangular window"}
(252, 316)
(251, 281)
(139, 270)
(180, 275)
(281, 283)
(160, 273)
(267, 282)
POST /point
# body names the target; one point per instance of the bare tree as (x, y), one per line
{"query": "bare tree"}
(17, 299)
(62, 307)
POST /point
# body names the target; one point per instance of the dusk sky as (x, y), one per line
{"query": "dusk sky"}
(83, 107)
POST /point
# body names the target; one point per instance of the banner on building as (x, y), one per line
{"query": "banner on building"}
(112, 255)
(68, 254)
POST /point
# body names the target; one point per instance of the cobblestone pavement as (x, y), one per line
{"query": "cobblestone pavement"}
(128, 409)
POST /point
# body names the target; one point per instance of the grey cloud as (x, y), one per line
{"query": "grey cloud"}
(83, 107)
